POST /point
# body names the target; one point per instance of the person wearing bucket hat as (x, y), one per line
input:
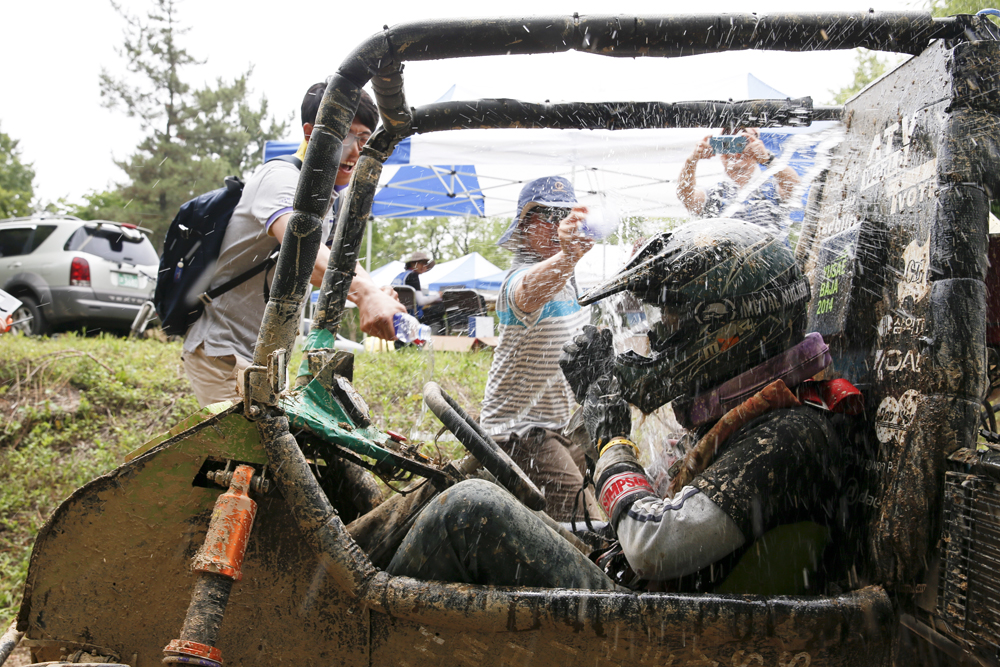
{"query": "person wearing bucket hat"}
(727, 308)
(527, 400)
(414, 265)
(417, 263)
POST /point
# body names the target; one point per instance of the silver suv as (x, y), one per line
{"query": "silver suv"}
(72, 273)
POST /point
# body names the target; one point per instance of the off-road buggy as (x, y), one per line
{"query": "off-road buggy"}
(896, 242)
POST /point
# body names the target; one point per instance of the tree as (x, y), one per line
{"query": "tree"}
(227, 127)
(870, 66)
(195, 137)
(951, 7)
(445, 238)
(16, 180)
(98, 205)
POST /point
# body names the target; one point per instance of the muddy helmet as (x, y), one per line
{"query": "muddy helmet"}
(721, 296)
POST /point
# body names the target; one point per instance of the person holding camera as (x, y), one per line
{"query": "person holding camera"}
(743, 155)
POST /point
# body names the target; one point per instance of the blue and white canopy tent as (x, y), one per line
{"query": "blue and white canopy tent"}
(466, 272)
(472, 271)
(436, 190)
(413, 190)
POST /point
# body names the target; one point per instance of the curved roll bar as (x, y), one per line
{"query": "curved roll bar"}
(379, 60)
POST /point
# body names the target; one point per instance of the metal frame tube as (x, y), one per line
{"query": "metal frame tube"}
(303, 234)
(506, 113)
(9, 641)
(351, 224)
(656, 35)
(482, 446)
(382, 56)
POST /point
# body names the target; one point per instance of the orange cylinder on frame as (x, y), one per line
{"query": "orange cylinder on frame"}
(228, 532)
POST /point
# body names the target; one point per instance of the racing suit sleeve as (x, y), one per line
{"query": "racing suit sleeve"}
(661, 538)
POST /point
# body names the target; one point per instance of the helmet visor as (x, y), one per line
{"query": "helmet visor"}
(665, 321)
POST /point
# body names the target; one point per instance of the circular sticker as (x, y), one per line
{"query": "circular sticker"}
(894, 416)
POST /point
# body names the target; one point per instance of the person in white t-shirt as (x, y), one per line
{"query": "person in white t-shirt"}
(222, 340)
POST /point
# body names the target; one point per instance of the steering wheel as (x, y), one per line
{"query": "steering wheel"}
(482, 446)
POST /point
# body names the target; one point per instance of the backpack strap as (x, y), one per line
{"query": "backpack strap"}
(272, 259)
(291, 159)
(207, 297)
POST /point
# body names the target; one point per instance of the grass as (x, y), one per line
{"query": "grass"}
(72, 407)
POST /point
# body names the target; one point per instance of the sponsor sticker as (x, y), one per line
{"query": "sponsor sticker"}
(621, 485)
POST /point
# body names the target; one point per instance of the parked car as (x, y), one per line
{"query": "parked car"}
(69, 272)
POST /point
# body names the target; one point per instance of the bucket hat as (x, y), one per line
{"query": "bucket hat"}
(420, 256)
(552, 191)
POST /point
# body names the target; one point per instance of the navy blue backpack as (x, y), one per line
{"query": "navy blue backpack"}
(190, 251)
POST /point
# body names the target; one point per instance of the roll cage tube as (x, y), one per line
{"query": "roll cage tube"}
(379, 60)
(506, 113)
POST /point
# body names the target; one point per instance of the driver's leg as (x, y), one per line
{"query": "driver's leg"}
(477, 533)
(547, 459)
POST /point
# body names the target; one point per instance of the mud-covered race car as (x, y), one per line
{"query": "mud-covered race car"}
(896, 243)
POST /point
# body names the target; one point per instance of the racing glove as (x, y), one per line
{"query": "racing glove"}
(618, 476)
(586, 358)
(606, 415)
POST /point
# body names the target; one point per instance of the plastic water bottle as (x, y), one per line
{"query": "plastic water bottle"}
(409, 329)
(600, 223)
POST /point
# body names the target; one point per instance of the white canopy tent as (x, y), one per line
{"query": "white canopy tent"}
(636, 169)
(456, 272)
(384, 275)
(464, 272)
(602, 261)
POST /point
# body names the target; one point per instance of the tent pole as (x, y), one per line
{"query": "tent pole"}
(368, 254)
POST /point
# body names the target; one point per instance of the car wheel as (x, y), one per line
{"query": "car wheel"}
(28, 318)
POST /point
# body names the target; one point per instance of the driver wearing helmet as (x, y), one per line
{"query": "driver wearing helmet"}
(727, 306)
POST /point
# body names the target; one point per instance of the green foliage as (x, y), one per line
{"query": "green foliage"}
(228, 128)
(870, 66)
(73, 407)
(480, 235)
(16, 179)
(392, 385)
(163, 175)
(952, 7)
(445, 238)
(151, 51)
(195, 137)
(98, 205)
